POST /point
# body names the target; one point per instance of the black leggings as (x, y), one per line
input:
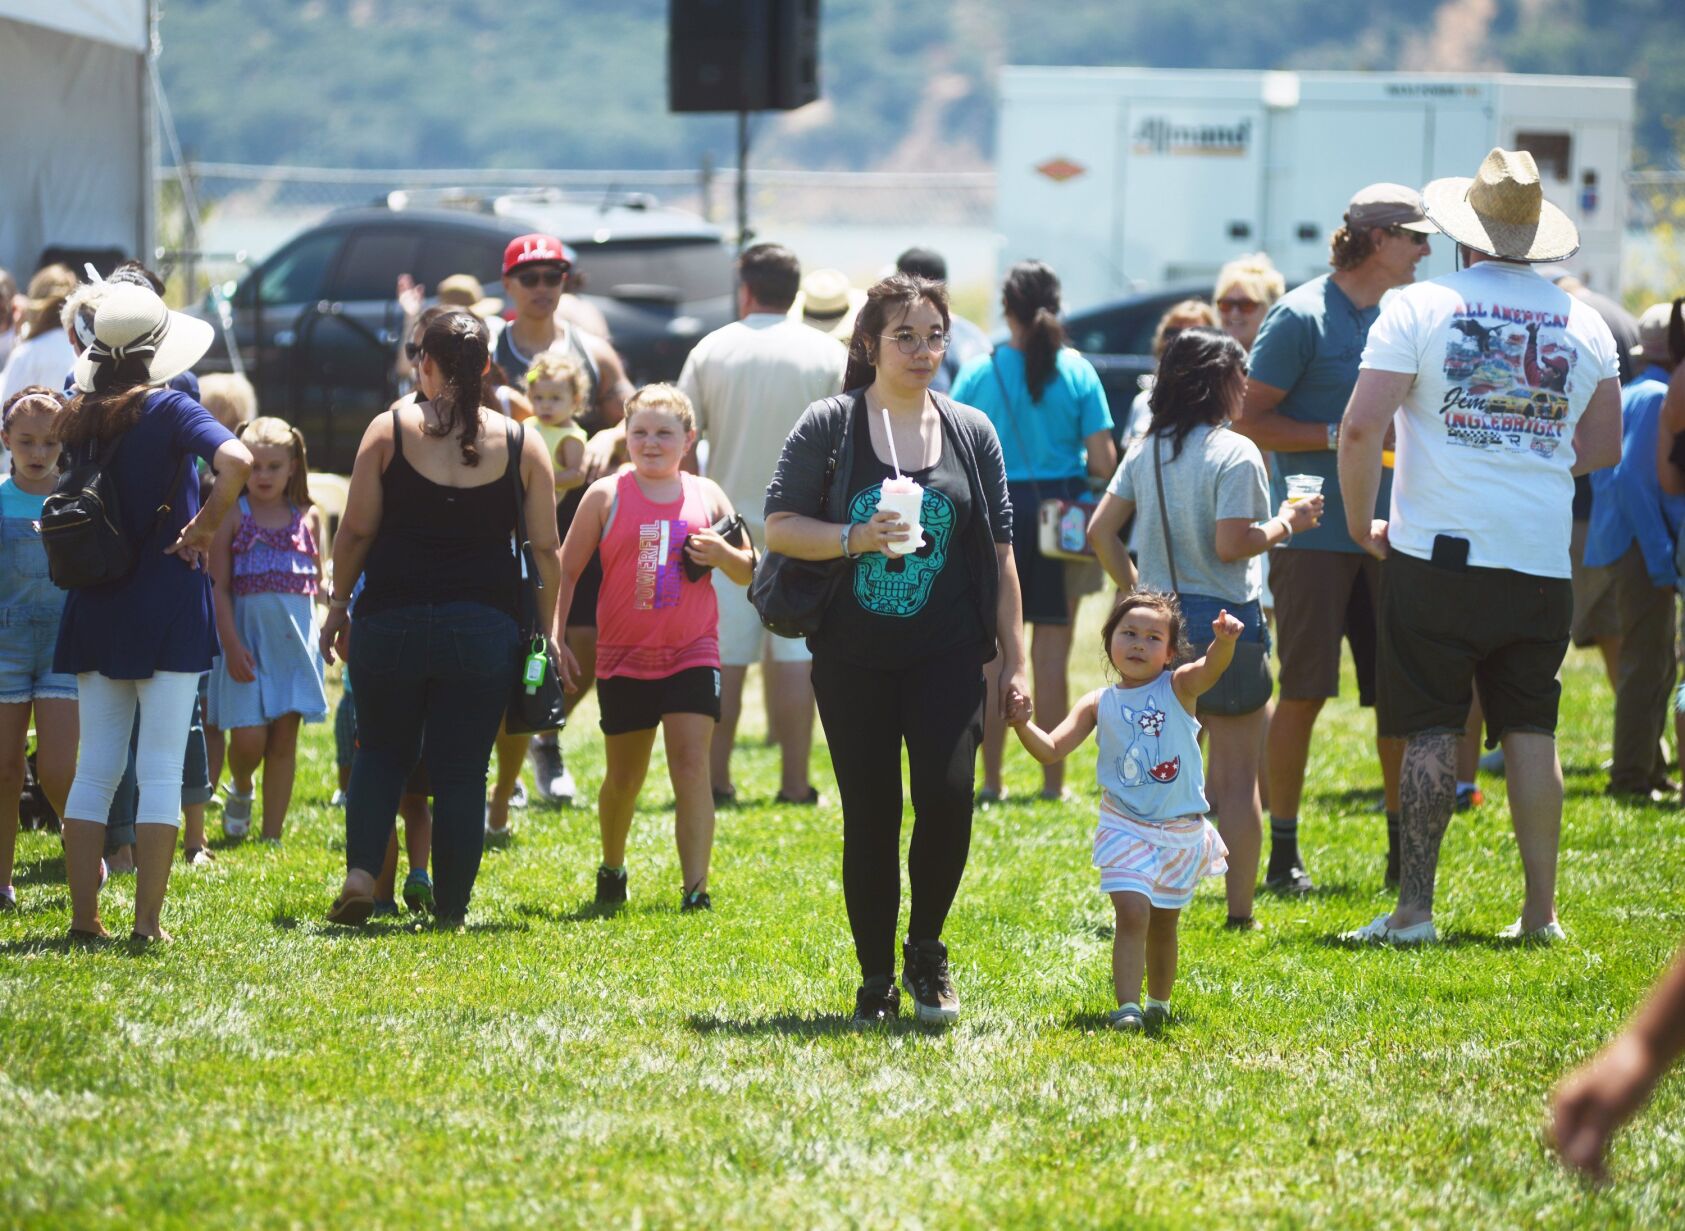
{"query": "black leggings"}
(937, 708)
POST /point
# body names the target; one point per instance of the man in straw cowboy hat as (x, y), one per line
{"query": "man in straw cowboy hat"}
(1504, 387)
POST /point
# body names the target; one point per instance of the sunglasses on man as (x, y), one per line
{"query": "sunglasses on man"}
(530, 278)
(1419, 237)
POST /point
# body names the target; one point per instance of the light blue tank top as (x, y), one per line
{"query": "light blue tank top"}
(1150, 766)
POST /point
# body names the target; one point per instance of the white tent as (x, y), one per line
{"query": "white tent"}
(76, 150)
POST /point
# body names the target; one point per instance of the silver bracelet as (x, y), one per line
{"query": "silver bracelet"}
(1287, 526)
(842, 539)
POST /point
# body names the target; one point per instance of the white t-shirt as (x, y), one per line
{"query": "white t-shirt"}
(1504, 364)
(749, 382)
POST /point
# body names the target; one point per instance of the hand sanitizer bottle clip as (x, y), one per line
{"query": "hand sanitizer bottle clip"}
(533, 674)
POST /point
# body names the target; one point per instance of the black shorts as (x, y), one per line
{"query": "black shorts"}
(1042, 580)
(582, 612)
(1447, 629)
(626, 704)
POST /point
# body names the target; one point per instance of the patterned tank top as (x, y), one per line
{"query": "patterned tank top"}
(1149, 765)
(274, 561)
(652, 620)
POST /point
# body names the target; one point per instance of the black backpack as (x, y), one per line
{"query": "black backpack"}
(82, 525)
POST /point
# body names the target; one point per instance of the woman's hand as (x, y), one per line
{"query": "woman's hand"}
(241, 662)
(336, 634)
(1303, 514)
(1226, 628)
(194, 545)
(568, 665)
(886, 527)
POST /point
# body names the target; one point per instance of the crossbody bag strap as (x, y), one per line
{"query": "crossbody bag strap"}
(1012, 426)
(1164, 512)
(526, 599)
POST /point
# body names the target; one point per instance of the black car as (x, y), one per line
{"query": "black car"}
(317, 321)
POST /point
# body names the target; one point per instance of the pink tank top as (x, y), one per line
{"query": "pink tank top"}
(652, 621)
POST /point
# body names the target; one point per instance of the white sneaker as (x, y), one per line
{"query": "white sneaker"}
(237, 812)
(518, 797)
(1549, 934)
(1379, 932)
(337, 800)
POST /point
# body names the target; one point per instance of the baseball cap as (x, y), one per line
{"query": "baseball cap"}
(536, 249)
(1388, 205)
(1652, 332)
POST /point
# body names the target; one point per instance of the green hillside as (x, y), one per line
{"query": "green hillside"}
(560, 83)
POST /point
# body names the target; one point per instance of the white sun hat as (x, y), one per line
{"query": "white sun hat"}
(133, 323)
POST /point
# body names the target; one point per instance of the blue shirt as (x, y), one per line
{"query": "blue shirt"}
(159, 617)
(1310, 345)
(1629, 503)
(1039, 440)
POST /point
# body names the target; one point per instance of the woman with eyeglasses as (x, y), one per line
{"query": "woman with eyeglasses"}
(1055, 427)
(1246, 287)
(898, 656)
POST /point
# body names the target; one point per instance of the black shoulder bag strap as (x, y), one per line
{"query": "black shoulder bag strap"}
(526, 581)
(1164, 512)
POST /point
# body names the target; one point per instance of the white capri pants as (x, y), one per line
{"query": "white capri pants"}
(107, 710)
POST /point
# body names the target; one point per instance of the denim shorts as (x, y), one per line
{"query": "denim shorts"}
(28, 637)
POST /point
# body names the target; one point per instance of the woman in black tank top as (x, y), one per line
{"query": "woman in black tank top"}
(434, 647)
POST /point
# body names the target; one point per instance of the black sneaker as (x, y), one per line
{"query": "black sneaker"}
(1286, 874)
(878, 1001)
(927, 980)
(611, 887)
(696, 899)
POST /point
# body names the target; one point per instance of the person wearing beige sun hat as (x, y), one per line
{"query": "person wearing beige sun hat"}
(829, 303)
(1501, 388)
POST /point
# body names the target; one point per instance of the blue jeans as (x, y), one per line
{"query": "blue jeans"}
(431, 682)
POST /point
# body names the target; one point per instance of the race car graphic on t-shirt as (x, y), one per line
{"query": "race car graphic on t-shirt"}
(1508, 373)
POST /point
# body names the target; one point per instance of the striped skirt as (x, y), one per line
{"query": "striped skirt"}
(1161, 861)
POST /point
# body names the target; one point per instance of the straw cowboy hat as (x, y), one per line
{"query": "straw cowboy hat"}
(1502, 211)
(828, 302)
(132, 323)
(465, 291)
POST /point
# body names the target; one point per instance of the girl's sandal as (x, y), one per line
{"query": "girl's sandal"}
(351, 909)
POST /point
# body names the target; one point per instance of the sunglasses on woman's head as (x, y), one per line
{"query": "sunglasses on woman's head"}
(530, 278)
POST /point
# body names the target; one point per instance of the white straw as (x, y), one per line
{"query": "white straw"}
(889, 433)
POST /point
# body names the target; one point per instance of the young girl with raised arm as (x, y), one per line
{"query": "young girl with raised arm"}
(1153, 843)
(265, 566)
(29, 620)
(658, 650)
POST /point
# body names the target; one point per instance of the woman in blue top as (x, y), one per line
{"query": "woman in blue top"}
(1055, 430)
(143, 640)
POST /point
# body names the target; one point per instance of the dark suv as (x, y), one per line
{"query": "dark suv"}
(317, 321)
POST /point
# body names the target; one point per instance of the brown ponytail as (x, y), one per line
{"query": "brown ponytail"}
(1031, 297)
(458, 342)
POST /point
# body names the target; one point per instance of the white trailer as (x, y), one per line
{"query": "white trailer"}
(1128, 179)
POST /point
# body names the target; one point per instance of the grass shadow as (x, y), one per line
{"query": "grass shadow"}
(41, 871)
(586, 912)
(1347, 800)
(388, 925)
(1447, 940)
(800, 1026)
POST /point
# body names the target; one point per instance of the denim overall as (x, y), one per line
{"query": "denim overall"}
(30, 606)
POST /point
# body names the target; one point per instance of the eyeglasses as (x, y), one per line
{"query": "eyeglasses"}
(1237, 304)
(412, 351)
(1419, 237)
(909, 343)
(530, 278)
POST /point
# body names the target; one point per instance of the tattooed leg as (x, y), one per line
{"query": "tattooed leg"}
(1427, 794)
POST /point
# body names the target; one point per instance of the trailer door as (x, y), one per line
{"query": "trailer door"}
(1322, 154)
(1191, 192)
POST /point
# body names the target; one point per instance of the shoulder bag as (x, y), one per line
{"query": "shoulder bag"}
(1247, 684)
(791, 595)
(534, 705)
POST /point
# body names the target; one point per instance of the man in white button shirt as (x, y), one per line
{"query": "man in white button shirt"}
(750, 382)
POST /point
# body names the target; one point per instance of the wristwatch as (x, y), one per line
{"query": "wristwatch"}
(842, 538)
(1333, 436)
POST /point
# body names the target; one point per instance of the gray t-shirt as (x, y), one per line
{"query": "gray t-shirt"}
(1219, 474)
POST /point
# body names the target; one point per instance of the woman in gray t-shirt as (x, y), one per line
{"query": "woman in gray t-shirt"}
(1200, 498)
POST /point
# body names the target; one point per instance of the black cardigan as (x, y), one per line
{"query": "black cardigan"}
(821, 445)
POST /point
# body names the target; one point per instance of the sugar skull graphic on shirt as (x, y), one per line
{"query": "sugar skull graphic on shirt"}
(900, 585)
(1508, 372)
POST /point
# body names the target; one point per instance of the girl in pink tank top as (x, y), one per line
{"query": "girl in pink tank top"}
(658, 653)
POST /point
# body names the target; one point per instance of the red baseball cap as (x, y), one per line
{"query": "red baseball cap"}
(536, 249)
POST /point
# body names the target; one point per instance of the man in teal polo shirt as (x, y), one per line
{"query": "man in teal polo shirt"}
(1301, 372)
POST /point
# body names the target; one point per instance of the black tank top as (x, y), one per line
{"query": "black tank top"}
(439, 544)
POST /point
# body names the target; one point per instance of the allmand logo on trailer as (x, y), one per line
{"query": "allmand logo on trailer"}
(1157, 134)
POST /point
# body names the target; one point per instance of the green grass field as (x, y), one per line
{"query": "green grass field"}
(547, 1067)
